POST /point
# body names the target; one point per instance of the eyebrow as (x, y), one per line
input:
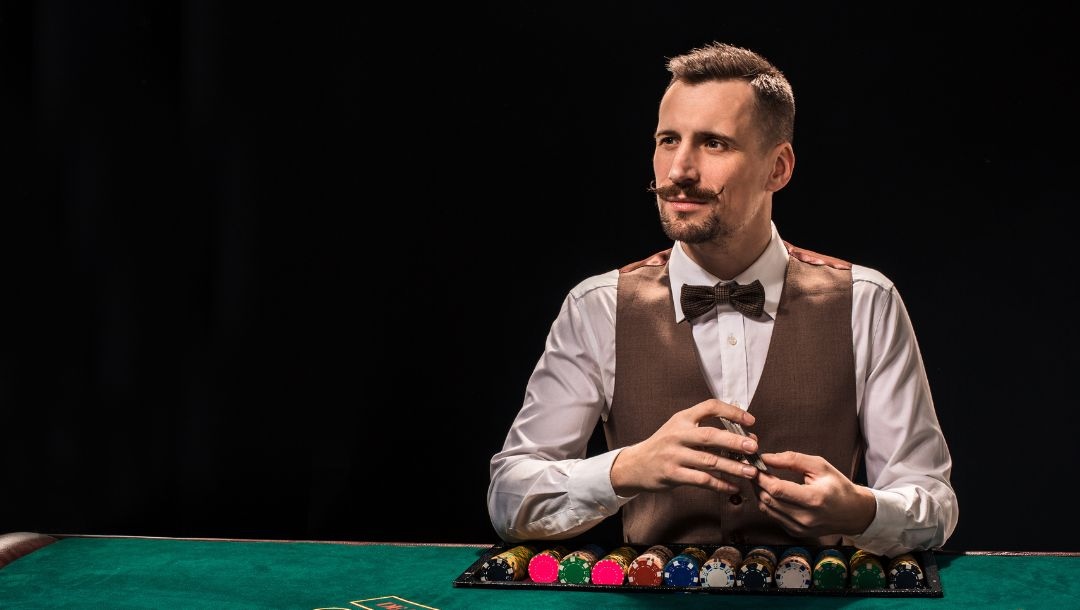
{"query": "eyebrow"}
(700, 135)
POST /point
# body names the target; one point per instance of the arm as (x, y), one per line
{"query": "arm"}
(908, 462)
(542, 486)
(909, 503)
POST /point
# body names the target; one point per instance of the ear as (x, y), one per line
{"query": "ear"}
(783, 156)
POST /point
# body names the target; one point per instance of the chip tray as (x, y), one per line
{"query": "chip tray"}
(931, 582)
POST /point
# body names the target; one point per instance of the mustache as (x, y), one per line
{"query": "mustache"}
(673, 191)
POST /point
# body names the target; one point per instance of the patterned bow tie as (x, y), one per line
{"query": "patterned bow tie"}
(748, 300)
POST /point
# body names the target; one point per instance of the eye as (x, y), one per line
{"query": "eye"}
(663, 141)
(716, 144)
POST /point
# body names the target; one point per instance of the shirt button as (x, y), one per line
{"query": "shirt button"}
(732, 340)
(735, 499)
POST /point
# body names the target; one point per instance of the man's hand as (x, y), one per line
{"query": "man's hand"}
(684, 452)
(826, 503)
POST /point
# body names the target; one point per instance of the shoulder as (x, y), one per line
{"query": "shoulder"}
(862, 277)
(867, 278)
(816, 258)
(873, 295)
(596, 286)
(656, 260)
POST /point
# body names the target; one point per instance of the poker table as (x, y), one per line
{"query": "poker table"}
(78, 571)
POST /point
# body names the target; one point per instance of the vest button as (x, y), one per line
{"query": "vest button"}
(735, 499)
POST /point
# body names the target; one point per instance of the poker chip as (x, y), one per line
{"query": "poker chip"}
(762, 551)
(866, 571)
(830, 552)
(854, 571)
(544, 566)
(905, 573)
(755, 573)
(794, 572)
(797, 550)
(721, 569)
(684, 570)
(718, 573)
(510, 564)
(576, 567)
(647, 569)
(830, 573)
(611, 569)
(496, 569)
(868, 576)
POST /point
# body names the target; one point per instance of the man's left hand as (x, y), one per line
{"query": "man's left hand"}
(826, 503)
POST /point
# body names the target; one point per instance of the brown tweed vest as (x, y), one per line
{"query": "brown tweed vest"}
(804, 401)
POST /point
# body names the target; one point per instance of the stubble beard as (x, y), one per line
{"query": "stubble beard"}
(710, 229)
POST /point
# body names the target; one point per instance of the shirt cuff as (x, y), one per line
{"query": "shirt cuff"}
(883, 534)
(589, 484)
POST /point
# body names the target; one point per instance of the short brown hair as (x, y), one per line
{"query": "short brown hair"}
(774, 102)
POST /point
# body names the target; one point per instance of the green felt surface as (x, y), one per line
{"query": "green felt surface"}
(191, 574)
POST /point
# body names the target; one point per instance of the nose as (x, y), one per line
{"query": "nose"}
(683, 168)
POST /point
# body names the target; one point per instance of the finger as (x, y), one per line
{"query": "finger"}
(711, 462)
(714, 438)
(786, 513)
(788, 522)
(717, 408)
(787, 495)
(700, 478)
(796, 462)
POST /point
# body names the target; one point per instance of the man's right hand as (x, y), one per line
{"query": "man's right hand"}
(685, 452)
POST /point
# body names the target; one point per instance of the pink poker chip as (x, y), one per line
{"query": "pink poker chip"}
(544, 568)
(608, 572)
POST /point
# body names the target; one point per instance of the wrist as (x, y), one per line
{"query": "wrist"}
(622, 481)
(865, 512)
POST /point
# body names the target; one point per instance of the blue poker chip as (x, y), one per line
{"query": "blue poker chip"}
(797, 551)
(682, 571)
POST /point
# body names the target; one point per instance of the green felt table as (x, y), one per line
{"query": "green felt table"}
(131, 572)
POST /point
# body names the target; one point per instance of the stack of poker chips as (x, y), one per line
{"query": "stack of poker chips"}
(905, 573)
(794, 571)
(830, 570)
(866, 571)
(721, 569)
(510, 564)
(544, 566)
(757, 569)
(576, 567)
(647, 569)
(611, 568)
(684, 569)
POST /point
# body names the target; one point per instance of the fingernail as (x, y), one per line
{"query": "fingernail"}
(749, 470)
(748, 419)
(749, 445)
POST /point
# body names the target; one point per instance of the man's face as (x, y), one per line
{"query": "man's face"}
(712, 173)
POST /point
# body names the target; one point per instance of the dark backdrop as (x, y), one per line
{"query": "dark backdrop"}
(250, 250)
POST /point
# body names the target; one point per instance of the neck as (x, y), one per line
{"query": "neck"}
(729, 257)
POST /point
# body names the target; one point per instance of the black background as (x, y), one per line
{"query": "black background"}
(283, 271)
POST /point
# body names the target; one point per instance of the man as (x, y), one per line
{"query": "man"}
(815, 356)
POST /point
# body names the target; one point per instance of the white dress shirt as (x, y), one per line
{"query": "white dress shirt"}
(543, 487)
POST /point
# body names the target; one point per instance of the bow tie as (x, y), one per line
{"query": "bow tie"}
(748, 300)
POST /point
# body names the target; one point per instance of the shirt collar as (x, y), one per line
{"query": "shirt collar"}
(769, 269)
